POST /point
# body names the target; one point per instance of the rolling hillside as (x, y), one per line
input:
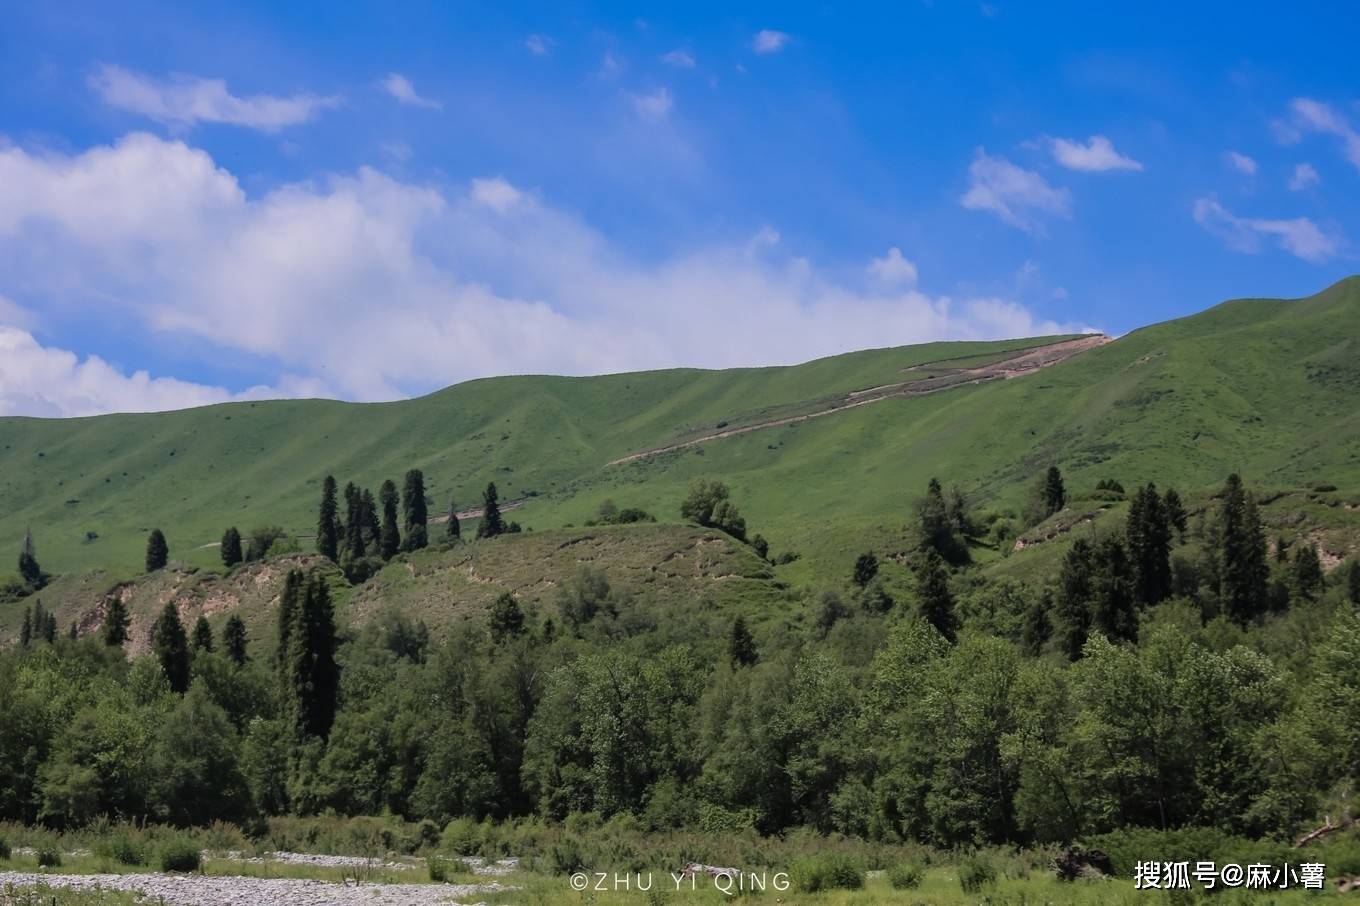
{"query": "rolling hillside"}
(1264, 387)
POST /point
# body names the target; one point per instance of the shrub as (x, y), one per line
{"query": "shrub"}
(905, 877)
(828, 872)
(442, 867)
(122, 848)
(180, 854)
(49, 854)
(4, 848)
(976, 872)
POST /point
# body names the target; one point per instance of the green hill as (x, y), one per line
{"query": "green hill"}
(1264, 387)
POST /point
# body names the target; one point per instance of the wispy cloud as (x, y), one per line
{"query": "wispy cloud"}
(681, 59)
(1096, 156)
(401, 88)
(1300, 236)
(1014, 194)
(1305, 176)
(1316, 116)
(893, 269)
(767, 40)
(1240, 162)
(185, 101)
(653, 105)
(539, 45)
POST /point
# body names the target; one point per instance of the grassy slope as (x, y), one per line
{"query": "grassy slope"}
(1267, 388)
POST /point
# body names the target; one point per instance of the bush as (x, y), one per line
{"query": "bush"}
(4, 848)
(122, 848)
(975, 873)
(828, 872)
(180, 854)
(49, 854)
(441, 868)
(905, 877)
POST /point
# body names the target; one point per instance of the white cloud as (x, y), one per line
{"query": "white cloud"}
(371, 288)
(1316, 116)
(653, 105)
(1096, 156)
(1305, 176)
(1240, 162)
(185, 101)
(45, 381)
(1299, 237)
(893, 270)
(539, 45)
(679, 58)
(401, 88)
(768, 40)
(1013, 193)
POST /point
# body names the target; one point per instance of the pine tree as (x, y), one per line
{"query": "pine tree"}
(1307, 572)
(1242, 555)
(39, 632)
(170, 644)
(932, 590)
(413, 510)
(290, 600)
(866, 567)
(1073, 599)
(1037, 629)
(116, 621)
(50, 629)
(29, 570)
(1281, 549)
(311, 673)
(1149, 536)
(354, 522)
(368, 519)
(157, 551)
(389, 540)
(1175, 512)
(1054, 493)
(231, 547)
(1353, 582)
(491, 524)
(937, 533)
(1112, 592)
(234, 638)
(26, 629)
(73, 633)
(741, 647)
(452, 530)
(507, 619)
(327, 527)
(203, 636)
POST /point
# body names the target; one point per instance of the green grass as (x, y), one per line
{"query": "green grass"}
(1266, 388)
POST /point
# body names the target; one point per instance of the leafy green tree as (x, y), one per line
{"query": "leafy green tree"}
(741, 646)
(830, 610)
(196, 774)
(937, 527)
(1076, 590)
(452, 530)
(506, 620)
(327, 524)
(1054, 493)
(29, 570)
(583, 596)
(231, 547)
(157, 551)
(491, 524)
(866, 567)
(234, 639)
(703, 498)
(875, 598)
(202, 639)
(263, 540)
(1149, 540)
(1307, 570)
(932, 592)
(170, 645)
(727, 519)
(389, 541)
(761, 547)
(116, 621)
(414, 510)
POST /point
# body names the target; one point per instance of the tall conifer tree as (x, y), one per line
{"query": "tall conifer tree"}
(414, 511)
(389, 541)
(491, 524)
(327, 523)
(170, 644)
(157, 551)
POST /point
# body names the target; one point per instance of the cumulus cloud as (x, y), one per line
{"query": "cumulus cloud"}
(1299, 237)
(404, 91)
(679, 58)
(185, 101)
(893, 270)
(653, 105)
(1240, 162)
(372, 288)
(1305, 176)
(1316, 116)
(1096, 156)
(1014, 194)
(767, 40)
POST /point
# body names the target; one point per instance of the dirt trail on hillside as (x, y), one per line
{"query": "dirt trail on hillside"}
(1026, 361)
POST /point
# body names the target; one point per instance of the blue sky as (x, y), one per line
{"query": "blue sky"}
(371, 202)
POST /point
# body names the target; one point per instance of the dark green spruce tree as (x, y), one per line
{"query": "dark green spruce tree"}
(170, 644)
(1307, 569)
(491, 524)
(506, 620)
(937, 532)
(1242, 554)
(202, 639)
(49, 629)
(231, 547)
(866, 567)
(29, 570)
(354, 522)
(1353, 583)
(741, 646)
(157, 551)
(1113, 605)
(327, 523)
(290, 599)
(234, 639)
(414, 511)
(452, 530)
(1054, 493)
(1072, 601)
(116, 621)
(936, 601)
(1149, 538)
(312, 674)
(26, 628)
(389, 538)
(1175, 512)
